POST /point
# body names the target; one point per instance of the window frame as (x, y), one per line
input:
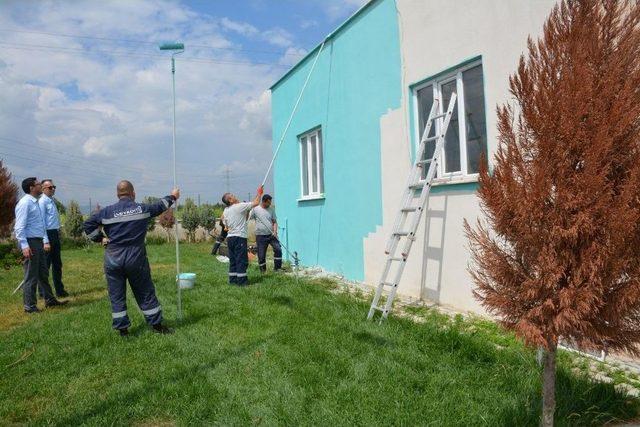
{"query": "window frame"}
(318, 170)
(436, 83)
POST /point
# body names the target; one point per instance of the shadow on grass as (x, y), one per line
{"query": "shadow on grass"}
(369, 338)
(579, 402)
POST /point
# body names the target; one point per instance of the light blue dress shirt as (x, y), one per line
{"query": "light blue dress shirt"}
(29, 221)
(49, 212)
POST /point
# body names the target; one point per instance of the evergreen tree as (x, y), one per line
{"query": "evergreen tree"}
(8, 200)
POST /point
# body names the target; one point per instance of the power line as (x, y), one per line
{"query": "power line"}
(286, 53)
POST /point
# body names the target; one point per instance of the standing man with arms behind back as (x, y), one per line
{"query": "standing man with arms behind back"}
(33, 240)
(52, 224)
(266, 233)
(125, 258)
(235, 219)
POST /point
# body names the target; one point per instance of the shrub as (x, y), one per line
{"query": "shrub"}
(151, 224)
(73, 220)
(190, 219)
(9, 192)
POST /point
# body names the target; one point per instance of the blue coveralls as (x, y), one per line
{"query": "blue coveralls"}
(125, 258)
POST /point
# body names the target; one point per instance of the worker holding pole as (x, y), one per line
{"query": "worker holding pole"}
(235, 220)
(122, 228)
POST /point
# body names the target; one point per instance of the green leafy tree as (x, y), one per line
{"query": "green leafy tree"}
(190, 219)
(208, 218)
(74, 220)
(61, 209)
(8, 200)
(151, 224)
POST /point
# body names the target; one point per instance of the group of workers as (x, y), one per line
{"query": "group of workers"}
(121, 228)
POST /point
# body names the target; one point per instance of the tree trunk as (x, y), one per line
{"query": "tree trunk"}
(549, 388)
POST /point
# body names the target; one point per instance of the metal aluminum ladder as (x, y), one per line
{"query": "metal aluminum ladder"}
(408, 219)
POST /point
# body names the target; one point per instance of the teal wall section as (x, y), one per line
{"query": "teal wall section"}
(357, 80)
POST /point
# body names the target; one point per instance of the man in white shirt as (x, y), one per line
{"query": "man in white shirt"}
(32, 237)
(52, 224)
(235, 220)
(266, 233)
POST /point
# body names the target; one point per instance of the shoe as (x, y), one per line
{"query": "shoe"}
(63, 294)
(123, 332)
(32, 310)
(161, 329)
(54, 303)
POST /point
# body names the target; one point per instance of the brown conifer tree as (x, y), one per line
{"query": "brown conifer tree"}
(558, 253)
(8, 200)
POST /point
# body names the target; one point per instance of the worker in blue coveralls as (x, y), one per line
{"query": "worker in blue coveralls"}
(122, 228)
(235, 217)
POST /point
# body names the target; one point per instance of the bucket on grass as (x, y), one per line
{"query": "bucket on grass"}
(186, 280)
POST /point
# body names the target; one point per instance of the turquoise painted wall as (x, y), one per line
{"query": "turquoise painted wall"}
(357, 79)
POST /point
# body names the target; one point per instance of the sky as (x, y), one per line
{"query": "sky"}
(86, 94)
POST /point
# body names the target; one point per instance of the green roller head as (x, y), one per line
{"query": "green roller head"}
(172, 46)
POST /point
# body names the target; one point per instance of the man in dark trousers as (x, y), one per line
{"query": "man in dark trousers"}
(32, 237)
(235, 219)
(220, 238)
(266, 233)
(122, 227)
(52, 224)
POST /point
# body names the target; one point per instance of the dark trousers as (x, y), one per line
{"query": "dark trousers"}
(36, 275)
(238, 260)
(54, 260)
(219, 241)
(263, 244)
(130, 263)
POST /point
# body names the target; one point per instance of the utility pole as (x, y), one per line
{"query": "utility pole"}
(226, 173)
(198, 199)
(90, 206)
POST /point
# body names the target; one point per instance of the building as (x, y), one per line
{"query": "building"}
(345, 160)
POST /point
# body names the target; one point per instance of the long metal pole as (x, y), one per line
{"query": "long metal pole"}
(293, 113)
(175, 185)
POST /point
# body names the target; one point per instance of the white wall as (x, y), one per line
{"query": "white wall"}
(436, 35)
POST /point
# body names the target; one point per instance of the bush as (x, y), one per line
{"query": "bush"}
(167, 220)
(67, 242)
(156, 240)
(208, 218)
(73, 220)
(190, 219)
(10, 255)
(8, 201)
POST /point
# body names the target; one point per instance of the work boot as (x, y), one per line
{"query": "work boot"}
(161, 329)
(54, 303)
(32, 310)
(63, 294)
(124, 332)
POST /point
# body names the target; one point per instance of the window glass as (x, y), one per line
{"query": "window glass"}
(321, 162)
(314, 163)
(475, 118)
(425, 101)
(305, 169)
(452, 138)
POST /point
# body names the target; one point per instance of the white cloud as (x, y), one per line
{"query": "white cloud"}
(117, 122)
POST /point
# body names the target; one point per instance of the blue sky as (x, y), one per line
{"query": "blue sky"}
(87, 95)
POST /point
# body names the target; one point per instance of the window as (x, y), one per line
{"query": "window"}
(311, 165)
(466, 136)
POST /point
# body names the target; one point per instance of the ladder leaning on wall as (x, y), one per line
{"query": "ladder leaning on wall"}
(411, 212)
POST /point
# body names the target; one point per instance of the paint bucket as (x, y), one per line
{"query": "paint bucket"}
(186, 280)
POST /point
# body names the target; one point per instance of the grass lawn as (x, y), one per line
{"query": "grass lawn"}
(274, 353)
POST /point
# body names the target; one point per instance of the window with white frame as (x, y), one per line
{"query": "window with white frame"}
(311, 164)
(466, 137)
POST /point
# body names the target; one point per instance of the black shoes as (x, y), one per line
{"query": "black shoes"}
(123, 332)
(32, 310)
(161, 329)
(63, 294)
(55, 303)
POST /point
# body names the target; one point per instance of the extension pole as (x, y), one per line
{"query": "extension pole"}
(175, 185)
(293, 113)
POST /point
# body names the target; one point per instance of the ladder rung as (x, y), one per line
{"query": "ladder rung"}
(397, 259)
(410, 209)
(425, 161)
(375, 307)
(439, 115)
(418, 185)
(431, 138)
(388, 284)
(402, 233)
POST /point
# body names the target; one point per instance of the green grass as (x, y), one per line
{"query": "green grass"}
(274, 353)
